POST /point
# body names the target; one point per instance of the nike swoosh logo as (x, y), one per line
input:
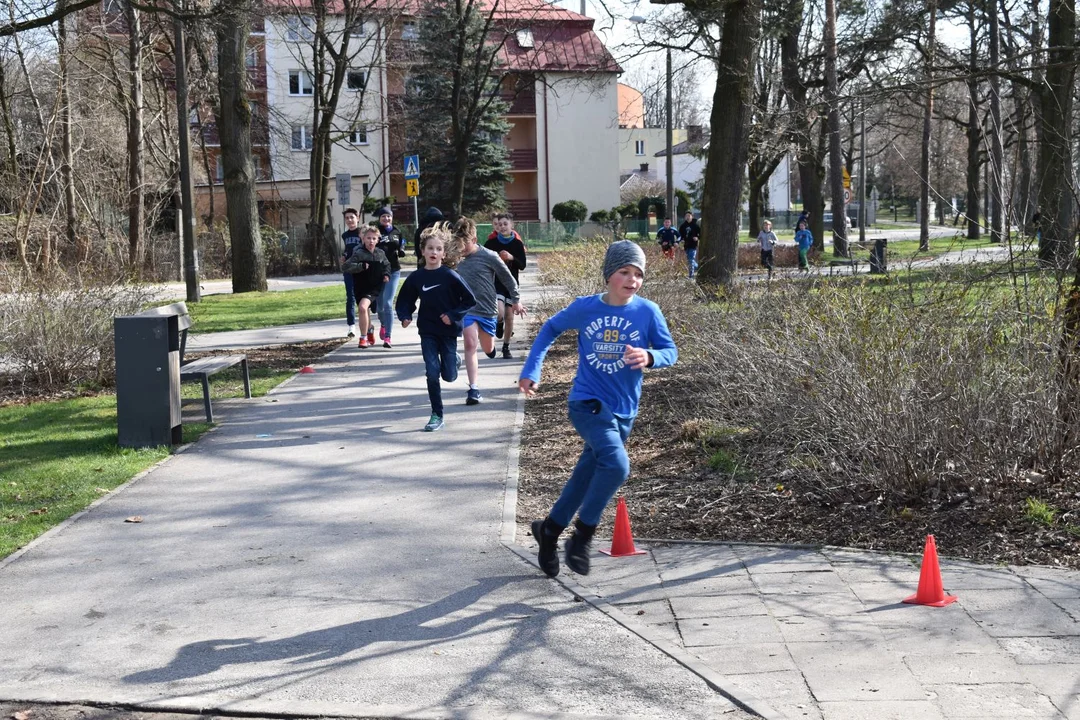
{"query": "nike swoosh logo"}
(431, 287)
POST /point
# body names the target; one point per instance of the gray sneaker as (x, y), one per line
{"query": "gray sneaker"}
(473, 397)
(434, 423)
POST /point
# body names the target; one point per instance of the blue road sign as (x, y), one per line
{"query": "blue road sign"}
(412, 167)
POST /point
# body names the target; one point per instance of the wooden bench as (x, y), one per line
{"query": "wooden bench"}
(203, 368)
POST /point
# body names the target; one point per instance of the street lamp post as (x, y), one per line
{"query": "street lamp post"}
(669, 196)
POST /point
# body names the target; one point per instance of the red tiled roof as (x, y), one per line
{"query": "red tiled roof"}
(562, 40)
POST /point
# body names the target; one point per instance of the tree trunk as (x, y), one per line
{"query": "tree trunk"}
(974, 132)
(756, 205)
(67, 166)
(135, 141)
(832, 102)
(997, 154)
(928, 113)
(1055, 156)
(186, 206)
(730, 128)
(234, 129)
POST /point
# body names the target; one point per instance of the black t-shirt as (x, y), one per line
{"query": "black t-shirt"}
(691, 233)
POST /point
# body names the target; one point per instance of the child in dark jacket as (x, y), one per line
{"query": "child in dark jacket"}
(350, 240)
(668, 238)
(619, 334)
(393, 246)
(508, 245)
(370, 271)
(444, 299)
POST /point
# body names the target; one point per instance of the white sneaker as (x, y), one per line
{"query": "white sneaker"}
(352, 331)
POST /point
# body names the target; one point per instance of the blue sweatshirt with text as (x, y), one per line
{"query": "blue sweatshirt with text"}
(604, 331)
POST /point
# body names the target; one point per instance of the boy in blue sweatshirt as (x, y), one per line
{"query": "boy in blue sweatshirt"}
(619, 335)
(805, 239)
(444, 299)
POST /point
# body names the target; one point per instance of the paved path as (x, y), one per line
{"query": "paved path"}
(319, 554)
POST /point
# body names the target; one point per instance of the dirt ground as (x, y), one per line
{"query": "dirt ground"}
(673, 493)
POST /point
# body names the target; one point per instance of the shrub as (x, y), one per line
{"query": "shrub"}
(280, 260)
(570, 211)
(57, 331)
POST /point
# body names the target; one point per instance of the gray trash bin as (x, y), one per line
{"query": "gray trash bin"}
(878, 264)
(147, 380)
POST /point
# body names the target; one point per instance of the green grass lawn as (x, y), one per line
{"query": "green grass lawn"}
(910, 248)
(248, 311)
(58, 457)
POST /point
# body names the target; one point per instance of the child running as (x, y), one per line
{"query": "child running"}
(350, 240)
(482, 270)
(668, 238)
(805, 239)
(370, 271)
(393, 246)
(767, 239)
(444, 299)
(619, 335)
(509, 246)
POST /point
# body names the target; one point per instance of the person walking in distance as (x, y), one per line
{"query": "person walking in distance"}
(444, 299)
(482, 270)
(351, 240)
(690, 232)
(509, 246)
(668, 238)
(393, 246)
(371, 271)
(767, 240)
(805, 240)
(619, 334)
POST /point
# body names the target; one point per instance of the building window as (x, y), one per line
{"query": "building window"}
(256, 163)
(193, 116)
(219, 170)
(301, 137)
(358, 136)
(409, 31)
(639, 147)
(358, 29)
(251, 57)
(300, 82)
(367, 189)
(525, 38)
(356, 80)
(299, 28)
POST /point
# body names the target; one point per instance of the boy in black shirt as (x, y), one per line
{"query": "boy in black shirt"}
(393, 246)
(351, 240)
(370, 270)
(690, 232)
(508, 245)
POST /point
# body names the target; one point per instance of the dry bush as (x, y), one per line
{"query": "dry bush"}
(57, 331)
(929, 392)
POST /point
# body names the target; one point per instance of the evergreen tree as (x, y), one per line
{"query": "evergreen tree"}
(453, 110)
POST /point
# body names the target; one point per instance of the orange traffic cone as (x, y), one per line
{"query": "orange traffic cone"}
(622, 544)
(930, 591)
(307, 369)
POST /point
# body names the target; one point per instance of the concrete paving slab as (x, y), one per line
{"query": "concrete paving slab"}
(1060, 683)
(1052, 582)
(962, 668)
(746, 659)
(1042, 650)
(994, 700)
(699, 606)
(798, 582)
(784, 690)
(842, 671)
(881, 710)
(1037, 618)
(761, 560)
(730, 631)
(855, 629)
(821, 604)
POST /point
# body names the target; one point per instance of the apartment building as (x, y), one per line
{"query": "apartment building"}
(560, 88)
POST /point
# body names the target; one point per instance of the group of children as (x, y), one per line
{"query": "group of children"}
(688, 234)
(479, 301)
(619, 335)
(803, 238)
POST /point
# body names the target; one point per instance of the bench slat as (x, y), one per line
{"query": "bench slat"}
(180, 309)
(210, 365)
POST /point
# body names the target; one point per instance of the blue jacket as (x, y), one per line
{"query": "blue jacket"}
(667, 236)
(805, 239)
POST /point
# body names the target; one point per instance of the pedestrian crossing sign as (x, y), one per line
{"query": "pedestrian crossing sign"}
(412, 188)
(412, 167)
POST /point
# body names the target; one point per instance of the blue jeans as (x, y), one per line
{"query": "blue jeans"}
(350, 299)
(386, 303)
(691, 260)
(602, 467)
(440, 360)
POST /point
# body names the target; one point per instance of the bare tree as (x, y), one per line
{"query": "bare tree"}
(832, 104)
(135, 139)
(928, 114)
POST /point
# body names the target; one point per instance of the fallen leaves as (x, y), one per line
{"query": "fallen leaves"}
(133, 519)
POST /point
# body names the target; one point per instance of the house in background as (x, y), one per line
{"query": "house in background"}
(689, 167)
(637, 143)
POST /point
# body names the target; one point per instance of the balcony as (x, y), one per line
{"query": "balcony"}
(523, 159)
(523, 103)
(525, 210)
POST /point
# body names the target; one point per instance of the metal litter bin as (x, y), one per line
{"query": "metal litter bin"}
(147, 380)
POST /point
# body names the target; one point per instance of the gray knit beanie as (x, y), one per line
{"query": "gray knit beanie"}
(623, 253)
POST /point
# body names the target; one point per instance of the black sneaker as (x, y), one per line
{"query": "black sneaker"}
(473, 397)
(507, 355)
(546, 533)
(577, 547)
(499, 328)
(491, 355)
